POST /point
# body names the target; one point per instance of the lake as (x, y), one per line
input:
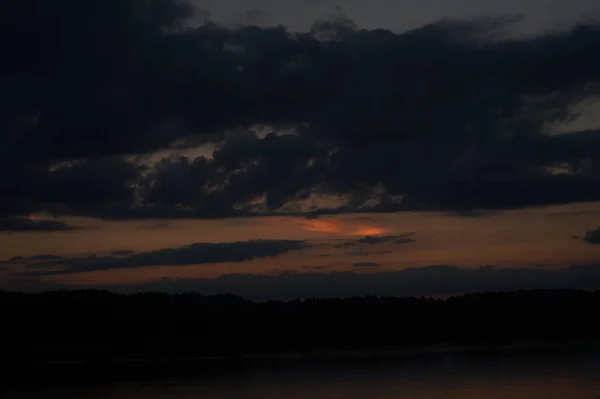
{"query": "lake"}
(441, 377)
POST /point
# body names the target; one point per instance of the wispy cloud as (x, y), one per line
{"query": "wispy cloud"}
(406, 238)
(195, 254)
(366, 264)
(32, 224)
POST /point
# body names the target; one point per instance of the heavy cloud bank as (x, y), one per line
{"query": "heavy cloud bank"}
(450, 116)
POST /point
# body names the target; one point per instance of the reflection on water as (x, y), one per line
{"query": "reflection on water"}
(500, 378)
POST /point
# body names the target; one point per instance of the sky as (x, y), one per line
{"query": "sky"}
(302, 148)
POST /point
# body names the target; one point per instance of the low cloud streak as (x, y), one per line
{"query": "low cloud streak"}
(195, 254)
(16, 224)
(433, 280)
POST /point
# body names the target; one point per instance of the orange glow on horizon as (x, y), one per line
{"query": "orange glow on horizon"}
(341, 227)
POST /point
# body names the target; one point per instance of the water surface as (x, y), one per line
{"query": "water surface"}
(500, 377)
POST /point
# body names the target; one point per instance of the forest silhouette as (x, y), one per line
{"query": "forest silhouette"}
(88, 325)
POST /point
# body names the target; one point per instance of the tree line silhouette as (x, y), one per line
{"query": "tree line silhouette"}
(99, 325)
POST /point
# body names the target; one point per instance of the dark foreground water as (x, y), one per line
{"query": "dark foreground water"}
(444, 377)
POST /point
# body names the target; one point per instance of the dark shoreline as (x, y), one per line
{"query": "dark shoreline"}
(90, 335)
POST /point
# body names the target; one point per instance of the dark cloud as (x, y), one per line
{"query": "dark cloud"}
(32, 259)
(366, 264)
(360, 252)
(28, 224)
(374, 240)
(122, 252)
(575, 213)
(195, 254)
(315, 267)
(45, 257)
(450, 116)
(592, 236)
(399, 15)
(433, 280)
(345, 245)
(399, 239)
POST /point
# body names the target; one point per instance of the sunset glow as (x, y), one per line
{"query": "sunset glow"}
(293, 150)
(341, 227)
